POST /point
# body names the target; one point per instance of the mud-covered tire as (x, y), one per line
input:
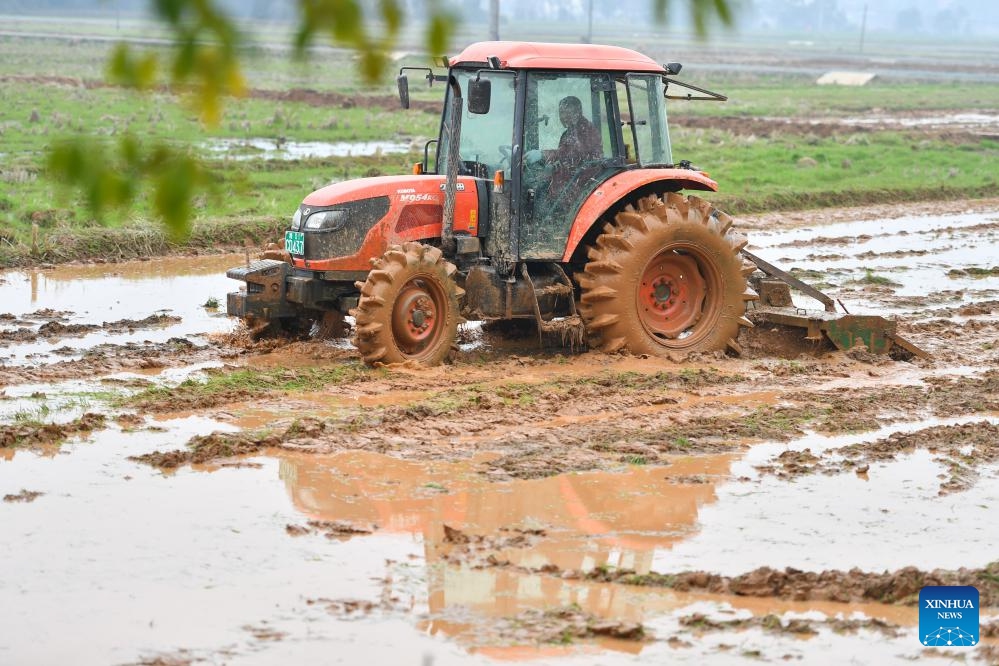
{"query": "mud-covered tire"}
(666, 277)
(409, 307)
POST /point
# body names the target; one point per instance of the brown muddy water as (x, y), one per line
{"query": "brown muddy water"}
(419, 542)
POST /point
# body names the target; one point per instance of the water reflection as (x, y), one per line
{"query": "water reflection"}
(591, 519)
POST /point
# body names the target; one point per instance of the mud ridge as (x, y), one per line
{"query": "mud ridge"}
(206, 448)
(331, 529)
(25, 496)
(540, 445)
(38, 435)
(895, 587)
(777, 127)
(560, 626)
(951, 444)
(891, 587)
(772, 623)
(54, 329)
(108, 358)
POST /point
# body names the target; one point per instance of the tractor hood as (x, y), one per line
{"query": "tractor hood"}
(363, 188)
(378, 213)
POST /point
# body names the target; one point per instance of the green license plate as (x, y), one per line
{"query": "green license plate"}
(294, 242)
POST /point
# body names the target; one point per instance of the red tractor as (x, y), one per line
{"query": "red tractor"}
(553, 195)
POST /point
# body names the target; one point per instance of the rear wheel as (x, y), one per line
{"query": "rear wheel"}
(408, 310)
(665, 277)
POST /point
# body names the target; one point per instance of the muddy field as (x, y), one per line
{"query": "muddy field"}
(174, 494)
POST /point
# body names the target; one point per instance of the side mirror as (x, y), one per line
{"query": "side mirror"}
(403, 83)
(479, 96)
(673, 68)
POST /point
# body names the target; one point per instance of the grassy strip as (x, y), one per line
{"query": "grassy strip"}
(790, 201)
(244, 194)
(518, 394)
(141, 240)
(227, 387)
(789, 171)
(66, 243)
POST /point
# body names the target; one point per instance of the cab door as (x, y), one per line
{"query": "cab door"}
(486, 146)
(641, 98)
(555, 182)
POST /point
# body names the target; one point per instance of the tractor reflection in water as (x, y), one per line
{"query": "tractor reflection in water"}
(589, 520)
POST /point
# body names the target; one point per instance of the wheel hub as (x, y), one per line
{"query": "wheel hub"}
(671, 294)
(414, 317)
(662, 291)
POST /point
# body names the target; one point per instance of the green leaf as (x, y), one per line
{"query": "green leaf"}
(392, 14)
(439, 32)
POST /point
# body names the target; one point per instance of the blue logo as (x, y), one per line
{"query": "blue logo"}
(948, 616)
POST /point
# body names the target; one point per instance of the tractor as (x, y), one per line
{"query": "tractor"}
(552, 195)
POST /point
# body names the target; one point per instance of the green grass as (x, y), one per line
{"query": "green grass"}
(32, 417)
(245, 384)
(252, 199)
(756, 175)
(33, 117)
(872, 278)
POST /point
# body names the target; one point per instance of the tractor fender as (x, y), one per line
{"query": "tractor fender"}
(618, 187)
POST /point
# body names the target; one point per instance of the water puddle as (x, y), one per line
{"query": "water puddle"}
(222, 563)
(169, 559)
(95, 294)
(923, 255)
(974, 121)
(52, 403)
(876, 521)
(271, 149)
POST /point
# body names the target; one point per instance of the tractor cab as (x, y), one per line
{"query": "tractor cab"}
(554, 124)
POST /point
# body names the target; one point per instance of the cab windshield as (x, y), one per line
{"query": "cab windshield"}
(486, 139)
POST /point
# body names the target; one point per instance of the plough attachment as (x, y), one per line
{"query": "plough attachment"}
(844, 330)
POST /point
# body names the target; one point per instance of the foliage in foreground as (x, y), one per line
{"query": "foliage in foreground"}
(205, 64)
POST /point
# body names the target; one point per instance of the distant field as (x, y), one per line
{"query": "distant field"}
(52, 88)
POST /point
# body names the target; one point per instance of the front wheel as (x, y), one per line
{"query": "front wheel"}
(666, 276)
(408, 310)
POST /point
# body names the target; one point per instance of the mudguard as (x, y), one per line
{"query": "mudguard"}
(620, 186)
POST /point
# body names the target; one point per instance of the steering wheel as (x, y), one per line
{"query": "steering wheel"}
(505, 152)
(473, 168)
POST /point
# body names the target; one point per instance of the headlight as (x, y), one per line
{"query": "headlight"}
(326, 220)
(296, 220)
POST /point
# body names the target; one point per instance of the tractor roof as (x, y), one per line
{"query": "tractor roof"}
(539, 55)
